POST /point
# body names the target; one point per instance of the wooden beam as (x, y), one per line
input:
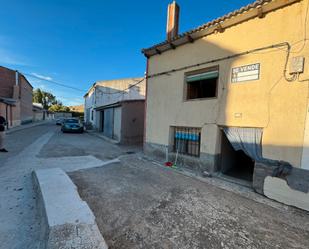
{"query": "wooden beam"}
(158, 51)
(190, 39)
(219, 28)
(260, 12)
(172, 45)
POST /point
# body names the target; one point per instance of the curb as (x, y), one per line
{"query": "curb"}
(106, 139)
(24, 127)
(67, 221)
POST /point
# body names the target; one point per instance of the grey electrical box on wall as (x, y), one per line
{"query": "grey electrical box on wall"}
(297, 65)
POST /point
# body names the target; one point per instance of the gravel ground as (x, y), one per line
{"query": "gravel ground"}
(140, 205)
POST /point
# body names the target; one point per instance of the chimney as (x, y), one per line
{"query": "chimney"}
(172, 20)
(16, 88)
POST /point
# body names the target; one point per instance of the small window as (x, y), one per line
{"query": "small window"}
(202, 84)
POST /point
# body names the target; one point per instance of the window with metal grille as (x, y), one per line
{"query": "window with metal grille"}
(202, 83)
(187, 141)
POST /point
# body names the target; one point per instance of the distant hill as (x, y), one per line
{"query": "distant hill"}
(77, 108)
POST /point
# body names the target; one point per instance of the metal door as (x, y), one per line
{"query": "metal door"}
(117, 123)
(108, 122)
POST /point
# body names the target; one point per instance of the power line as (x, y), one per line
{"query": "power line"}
(77, 89)
(54, 82)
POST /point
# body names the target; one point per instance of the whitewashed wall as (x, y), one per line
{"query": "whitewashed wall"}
(109, 92)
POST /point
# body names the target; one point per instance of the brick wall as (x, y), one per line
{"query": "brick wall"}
(11, 113)
(7, 82)
(25, 93)
(22, 111)
(2, 109)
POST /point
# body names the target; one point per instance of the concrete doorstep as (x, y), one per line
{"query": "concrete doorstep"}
(67, 221)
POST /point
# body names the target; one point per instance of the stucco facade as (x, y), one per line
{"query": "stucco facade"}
(272, 103)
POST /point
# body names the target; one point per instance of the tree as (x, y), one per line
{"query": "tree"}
(58, 108)
(45, 98)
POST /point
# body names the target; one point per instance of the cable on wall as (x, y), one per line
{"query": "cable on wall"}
(278, 45)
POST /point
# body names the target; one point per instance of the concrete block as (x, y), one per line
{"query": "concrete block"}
(278, 189)
(261, 171)
(67, 221)
(297, 180)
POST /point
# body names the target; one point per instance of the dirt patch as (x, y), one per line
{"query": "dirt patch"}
(140, 205)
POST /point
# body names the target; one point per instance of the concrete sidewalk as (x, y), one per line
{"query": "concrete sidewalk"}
(27, 126)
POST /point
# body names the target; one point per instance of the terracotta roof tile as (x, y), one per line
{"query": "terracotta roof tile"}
(242, 10)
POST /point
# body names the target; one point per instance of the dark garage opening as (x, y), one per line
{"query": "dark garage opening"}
(234, 163)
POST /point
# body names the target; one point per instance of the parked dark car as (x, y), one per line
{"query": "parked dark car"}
(72, 125)
(59, 121)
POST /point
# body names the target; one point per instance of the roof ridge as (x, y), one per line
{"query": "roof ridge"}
(131, 78)
(231, 14)
(216, 21)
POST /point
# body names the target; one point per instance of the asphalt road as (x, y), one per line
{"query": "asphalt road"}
(17, 141)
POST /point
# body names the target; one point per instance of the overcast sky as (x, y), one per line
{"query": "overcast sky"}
(78, 42)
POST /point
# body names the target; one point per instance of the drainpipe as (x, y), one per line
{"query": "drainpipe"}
(93, 113)
(6, 116)
(17, 83)
(95, 96)
(16, 78)
(145, 109)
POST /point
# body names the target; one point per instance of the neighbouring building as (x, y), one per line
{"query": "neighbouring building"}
(15, 97)
(61, 115)
(40, 114)
(231, 96)
(116, 108)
